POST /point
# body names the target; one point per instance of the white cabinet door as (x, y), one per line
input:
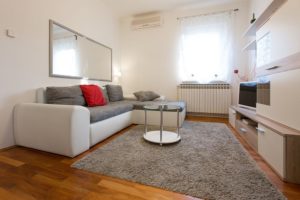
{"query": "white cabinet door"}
(232, 114)
(271, 146)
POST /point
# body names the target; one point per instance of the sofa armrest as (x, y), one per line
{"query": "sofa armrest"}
(60, 129)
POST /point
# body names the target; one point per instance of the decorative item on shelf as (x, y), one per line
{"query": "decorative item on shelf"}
(253, 18)
(241, 78)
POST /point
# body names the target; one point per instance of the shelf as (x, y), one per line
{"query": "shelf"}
(264, 17)
(251, 114)
(285, 64)
(250, 46)
(269, 123)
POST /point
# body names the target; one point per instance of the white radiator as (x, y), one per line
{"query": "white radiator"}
(206, 99)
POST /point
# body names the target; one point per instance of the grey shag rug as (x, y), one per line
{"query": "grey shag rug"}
(207, 163)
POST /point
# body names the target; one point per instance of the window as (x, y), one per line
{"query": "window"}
(206, 44)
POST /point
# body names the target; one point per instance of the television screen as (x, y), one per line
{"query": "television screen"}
(248, 93)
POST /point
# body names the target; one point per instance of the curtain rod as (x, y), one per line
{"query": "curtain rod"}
(212, 13)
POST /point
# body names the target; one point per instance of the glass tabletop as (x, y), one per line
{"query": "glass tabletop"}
(164, 107)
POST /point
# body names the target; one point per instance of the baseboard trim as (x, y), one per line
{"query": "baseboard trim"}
(7, 148)
(214, 115)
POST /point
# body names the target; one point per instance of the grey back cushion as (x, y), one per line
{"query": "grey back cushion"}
(104, 91)
(115, 92)
(65, 95)
(146, 95)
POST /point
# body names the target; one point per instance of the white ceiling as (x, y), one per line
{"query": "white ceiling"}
(125, 8)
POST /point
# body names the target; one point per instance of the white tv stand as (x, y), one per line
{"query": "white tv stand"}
(278, 144)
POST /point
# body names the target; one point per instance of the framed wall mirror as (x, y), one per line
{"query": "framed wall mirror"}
(73, 55)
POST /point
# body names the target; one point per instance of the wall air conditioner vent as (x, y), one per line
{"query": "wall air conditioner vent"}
(146, 21)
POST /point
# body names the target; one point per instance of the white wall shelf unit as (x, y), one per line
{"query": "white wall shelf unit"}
(288, 63)
(250, 46)
(264, 17)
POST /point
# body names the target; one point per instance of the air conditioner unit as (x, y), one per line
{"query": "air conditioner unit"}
(146, 21)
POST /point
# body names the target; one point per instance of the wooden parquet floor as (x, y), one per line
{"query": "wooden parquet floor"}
(31, 174)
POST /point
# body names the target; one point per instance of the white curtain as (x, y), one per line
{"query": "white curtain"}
(206, 47)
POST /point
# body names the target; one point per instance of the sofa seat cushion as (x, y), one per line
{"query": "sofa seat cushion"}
(112, 109)
(138, 105)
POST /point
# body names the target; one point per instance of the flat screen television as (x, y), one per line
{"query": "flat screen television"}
(248, 94)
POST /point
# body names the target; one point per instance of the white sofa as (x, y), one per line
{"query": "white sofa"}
(67, 130)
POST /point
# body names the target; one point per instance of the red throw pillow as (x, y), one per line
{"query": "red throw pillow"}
(93, 95)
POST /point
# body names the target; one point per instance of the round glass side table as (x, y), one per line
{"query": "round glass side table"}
(161, 136)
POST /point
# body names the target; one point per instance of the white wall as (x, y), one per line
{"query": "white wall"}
(24, 59)
(285, 93)
(149, 57)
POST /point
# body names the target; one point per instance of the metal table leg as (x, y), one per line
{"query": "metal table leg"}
(177, 122)
(161, 123)
(145, 123)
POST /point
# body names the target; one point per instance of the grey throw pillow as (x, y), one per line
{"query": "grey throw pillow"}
(115, 92)
(65, 95)
(146, 95)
